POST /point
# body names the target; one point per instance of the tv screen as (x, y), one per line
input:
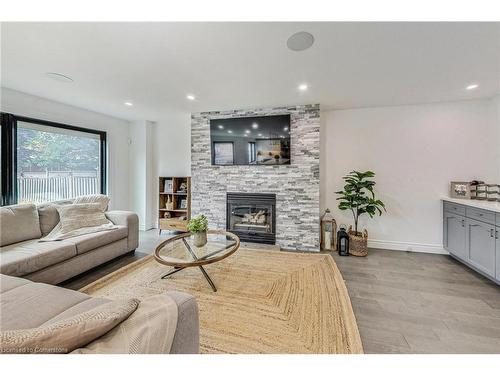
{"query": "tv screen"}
(261, 140)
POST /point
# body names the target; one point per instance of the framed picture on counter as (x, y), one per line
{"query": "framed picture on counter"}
(460, 189)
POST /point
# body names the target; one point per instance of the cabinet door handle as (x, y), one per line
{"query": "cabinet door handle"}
(491, 233)
(496, 234)
(463, 223)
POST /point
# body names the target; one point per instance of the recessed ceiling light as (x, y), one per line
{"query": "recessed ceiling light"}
(130, 104)
(229, 131)
(255, 125)
(221, 127)
(300, 41)
(472, 86)
(260, 135)
(246, 135)
(247, 131)
(285, 128)
(303, 87)
(190, 97)
(59, 77)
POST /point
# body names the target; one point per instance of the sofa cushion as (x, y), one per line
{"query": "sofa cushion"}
(25, 304)
(18, 223)
(22, 258)
(49, 217)
(91, 241)
(67, 335)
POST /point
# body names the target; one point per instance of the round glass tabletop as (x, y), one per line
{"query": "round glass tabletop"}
(180, 251)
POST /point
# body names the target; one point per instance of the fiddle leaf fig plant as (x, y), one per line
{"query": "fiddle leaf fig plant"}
(198, 224)
(358, 196)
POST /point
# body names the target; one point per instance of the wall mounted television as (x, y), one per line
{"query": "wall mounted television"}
(263, 140)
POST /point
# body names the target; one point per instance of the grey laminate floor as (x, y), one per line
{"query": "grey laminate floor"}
(404, 302)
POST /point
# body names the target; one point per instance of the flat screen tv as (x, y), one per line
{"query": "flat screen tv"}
(263, 140)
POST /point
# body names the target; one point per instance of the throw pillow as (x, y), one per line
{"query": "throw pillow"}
(81, 215)
(103, 200)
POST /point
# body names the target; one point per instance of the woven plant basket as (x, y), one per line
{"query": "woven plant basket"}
(358, 246)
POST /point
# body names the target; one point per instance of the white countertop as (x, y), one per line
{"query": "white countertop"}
(485, 205)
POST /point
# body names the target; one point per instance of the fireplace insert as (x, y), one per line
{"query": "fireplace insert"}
(252, 217)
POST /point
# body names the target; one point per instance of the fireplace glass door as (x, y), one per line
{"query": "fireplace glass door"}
(252, 217)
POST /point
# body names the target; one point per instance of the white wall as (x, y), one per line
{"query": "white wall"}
(141, 172)
(117, 134)
(171, 151)
(415, 151)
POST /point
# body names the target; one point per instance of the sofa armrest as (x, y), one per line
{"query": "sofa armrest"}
(187, 334)
(131, 221)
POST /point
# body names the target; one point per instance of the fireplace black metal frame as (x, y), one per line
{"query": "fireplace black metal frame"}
(253, 198)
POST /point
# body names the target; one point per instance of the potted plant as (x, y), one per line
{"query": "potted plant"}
(199, 226)
(358, 197)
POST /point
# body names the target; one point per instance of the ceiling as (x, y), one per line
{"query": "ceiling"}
(241, 65)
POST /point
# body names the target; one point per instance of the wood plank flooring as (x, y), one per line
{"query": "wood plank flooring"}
(404, 302)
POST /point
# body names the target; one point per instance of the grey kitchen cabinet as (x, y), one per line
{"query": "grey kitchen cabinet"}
(481, 243)
(471, 235)
(497, 235)
(455, 234)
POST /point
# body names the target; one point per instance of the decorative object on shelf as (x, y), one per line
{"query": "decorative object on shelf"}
(169, 205)
(182, 218)
(343, 241)
(168, 187)
(182, 188)
(167, 215)
(183, 204)
(492, 192)
(328, 231)
(358, 197)
(460, 189)
(199, 226)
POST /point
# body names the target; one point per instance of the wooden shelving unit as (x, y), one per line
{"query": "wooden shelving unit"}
(179, 217)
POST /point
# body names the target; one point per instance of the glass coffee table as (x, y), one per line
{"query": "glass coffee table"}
(180, 252)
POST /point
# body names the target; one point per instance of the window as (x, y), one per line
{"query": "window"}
(251, 152)
(49, 161)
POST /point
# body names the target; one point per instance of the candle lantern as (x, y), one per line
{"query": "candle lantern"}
(328, 230)
(343, 241)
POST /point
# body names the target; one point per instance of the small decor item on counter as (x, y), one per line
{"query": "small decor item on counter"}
(167, 215)
(328, 231)
(492, 192)
(199, 226)
(481, 192)
(342, 241)
(169, 205)
(473, 188)
(460, 189)
(359, 198)
(168, 186)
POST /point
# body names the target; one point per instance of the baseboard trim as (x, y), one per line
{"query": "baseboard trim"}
(407, 246)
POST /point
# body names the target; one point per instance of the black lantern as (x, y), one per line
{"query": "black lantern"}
(342, 241)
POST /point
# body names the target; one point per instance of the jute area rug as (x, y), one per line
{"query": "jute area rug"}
(267, 301)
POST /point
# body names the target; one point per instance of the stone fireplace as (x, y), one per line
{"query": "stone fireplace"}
(295, 186)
